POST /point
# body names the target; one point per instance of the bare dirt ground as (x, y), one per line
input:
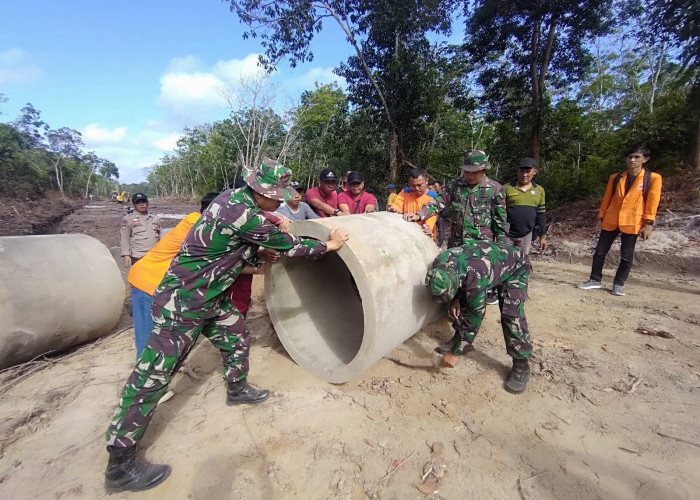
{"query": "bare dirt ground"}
(612, 410)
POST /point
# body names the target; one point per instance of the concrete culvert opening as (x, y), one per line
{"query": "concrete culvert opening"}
(321, 310)
(338, 315)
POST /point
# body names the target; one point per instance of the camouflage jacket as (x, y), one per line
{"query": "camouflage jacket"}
(476, 267)
(477, 212)
(216, 249)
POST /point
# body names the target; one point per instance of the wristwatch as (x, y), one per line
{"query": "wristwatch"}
(336, 211)
(648, 222)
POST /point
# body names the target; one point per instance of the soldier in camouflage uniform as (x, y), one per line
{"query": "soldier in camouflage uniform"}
(191, 300)
(461, 276)
(476, 205)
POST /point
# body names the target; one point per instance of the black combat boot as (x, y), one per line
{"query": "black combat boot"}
(518, 376)
(242, 392)
(125, 472)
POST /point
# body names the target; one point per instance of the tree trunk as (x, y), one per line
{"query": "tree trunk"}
(535, 136)
(87, 185)
(538, 80)
(59, 177)
(393, 156)
(696, 159)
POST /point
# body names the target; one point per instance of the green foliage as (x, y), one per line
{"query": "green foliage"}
(34, 158)
(209, 157)
(521, 48)
(531, 78)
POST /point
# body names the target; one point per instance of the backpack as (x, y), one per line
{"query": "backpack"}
(646, 181)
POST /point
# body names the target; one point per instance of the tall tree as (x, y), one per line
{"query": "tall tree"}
(532, 43)
(680, 19)
(320, 121)
(30, 122)
(64, 145)
(382, 35)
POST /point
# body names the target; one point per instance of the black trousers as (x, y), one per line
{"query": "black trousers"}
(605, 241)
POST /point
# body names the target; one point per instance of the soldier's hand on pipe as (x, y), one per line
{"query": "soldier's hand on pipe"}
(284, 225)
(411, 217)
(453, 310)
(268, 254)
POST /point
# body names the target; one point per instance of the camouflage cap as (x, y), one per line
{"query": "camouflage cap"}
(271, 179)
(476, 160)
(443, 283)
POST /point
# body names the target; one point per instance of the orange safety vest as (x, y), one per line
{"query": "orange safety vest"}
(408, 203)
(148, 272)
(627, 211)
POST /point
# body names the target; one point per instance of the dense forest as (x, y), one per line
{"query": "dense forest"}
(571, 83)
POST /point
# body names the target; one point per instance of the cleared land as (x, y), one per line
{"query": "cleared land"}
(611, 411)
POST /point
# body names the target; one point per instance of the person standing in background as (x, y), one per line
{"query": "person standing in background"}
(324, 199)
(628, 209)
(356, 200)
(296, 209)
(139, 231)
(525, 208)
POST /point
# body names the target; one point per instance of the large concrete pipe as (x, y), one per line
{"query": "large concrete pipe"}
(338, 315)
(56, 291)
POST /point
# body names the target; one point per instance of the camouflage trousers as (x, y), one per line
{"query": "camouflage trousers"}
(513, 322)
(173, 337)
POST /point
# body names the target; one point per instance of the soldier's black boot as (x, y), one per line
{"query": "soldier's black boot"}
(242, 392)
(518, 376)
(125, 472)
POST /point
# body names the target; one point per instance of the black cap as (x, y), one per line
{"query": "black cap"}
(139, 197)
(238, 183)
(528, 163)
(355, 177)
(328, 175)
(206, 201)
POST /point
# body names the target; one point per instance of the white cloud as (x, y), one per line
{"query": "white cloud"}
(131, 153)
(96, 135)
(191, 92)
(16, 67)
(317, 75)
(232, 71)
(169, 143)
(181, 90)
(184, 64)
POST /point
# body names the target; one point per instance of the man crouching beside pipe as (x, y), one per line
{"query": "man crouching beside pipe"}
(461, 276)
(191, 300)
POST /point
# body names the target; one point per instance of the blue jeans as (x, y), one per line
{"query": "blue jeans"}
(143, 322)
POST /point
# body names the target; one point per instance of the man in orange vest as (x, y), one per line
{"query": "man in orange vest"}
(415, 205)
(628, 209)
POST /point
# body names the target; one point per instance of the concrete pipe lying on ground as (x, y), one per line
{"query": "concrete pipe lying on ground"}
(56, 291)
(338, 315)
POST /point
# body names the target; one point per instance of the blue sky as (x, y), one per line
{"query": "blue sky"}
(130, 75)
